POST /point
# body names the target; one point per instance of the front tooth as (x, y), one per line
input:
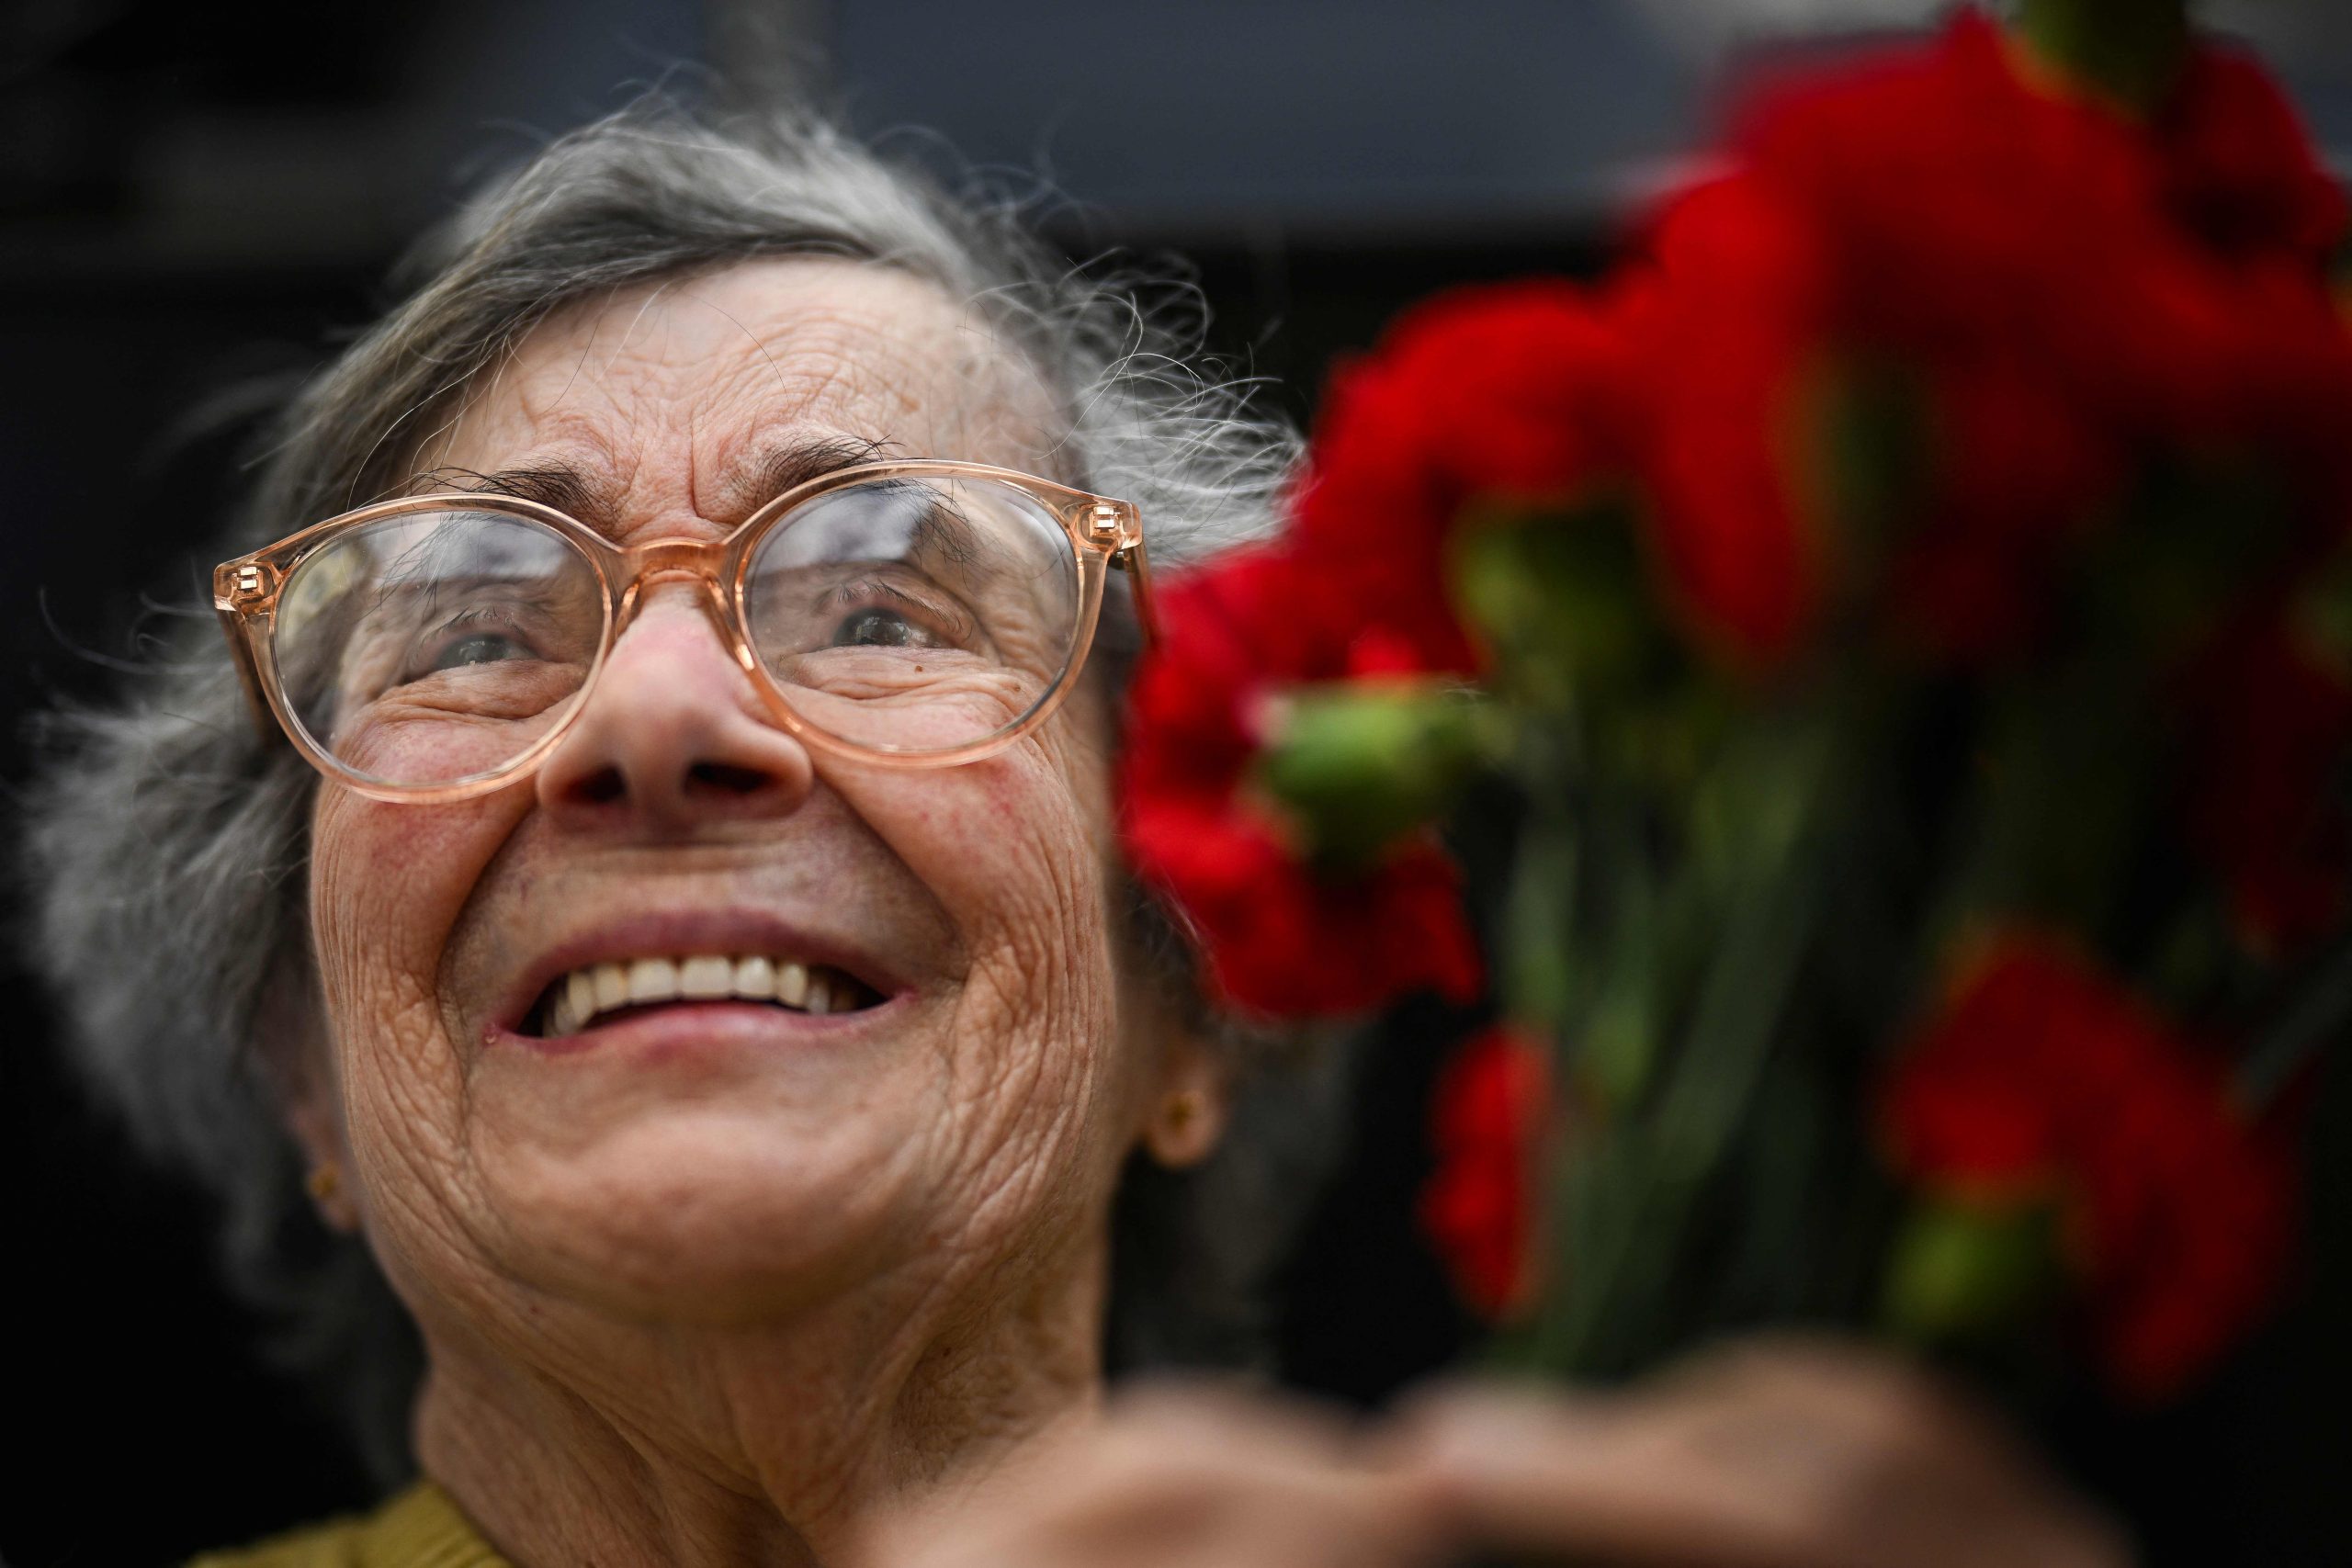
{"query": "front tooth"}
(579, 996)
(704, 980)
(652, 980)
(754, 978)
(612, 985)
(792, 984)
(820, 995)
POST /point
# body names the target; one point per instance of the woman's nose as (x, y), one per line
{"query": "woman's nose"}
(673, 736)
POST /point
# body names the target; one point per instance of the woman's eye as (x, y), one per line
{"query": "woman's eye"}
(882, 628)
(481, 648)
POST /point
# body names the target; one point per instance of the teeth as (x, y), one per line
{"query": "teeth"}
(754, 978)
(585, 993)
(579, 996)
(705, 979)
(652, 980)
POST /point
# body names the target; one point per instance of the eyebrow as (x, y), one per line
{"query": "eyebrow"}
(591, 499)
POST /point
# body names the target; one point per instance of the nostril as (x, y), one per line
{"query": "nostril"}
(730, 779)
(600, 788)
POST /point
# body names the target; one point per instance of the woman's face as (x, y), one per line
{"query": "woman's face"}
(729, 1162)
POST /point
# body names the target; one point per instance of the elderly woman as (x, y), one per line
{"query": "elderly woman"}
(667, 919)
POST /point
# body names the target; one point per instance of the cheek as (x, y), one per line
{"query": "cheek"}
(1032, 1074)
(386, 884)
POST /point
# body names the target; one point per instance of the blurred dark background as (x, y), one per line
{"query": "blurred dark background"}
(198, 199)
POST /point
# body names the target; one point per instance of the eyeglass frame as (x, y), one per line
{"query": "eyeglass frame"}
(1103, 533)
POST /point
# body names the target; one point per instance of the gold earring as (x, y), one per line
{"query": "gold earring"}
(324, 1181)
(1182, 1108)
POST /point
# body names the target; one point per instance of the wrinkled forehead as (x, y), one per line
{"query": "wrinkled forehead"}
(668, 393)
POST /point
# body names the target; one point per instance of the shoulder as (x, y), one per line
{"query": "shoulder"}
(418, 1529)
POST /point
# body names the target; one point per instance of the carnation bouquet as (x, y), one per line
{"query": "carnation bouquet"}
(1893, 638)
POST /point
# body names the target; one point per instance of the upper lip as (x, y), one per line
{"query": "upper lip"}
(684, 933)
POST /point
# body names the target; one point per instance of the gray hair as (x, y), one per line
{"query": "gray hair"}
(167, 835)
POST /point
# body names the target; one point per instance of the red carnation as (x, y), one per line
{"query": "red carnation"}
(2042, 1076)
(2238, 168)
(1279, 937)
(2007, 248)
(1509, 395)
(1490, 1109)
(2268, 740)
(1727, 322)
(2037, 268)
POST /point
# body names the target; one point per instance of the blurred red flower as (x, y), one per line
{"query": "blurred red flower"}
(2238, 167)
(2007, 250)
(2267, 742)
(1488, 1117)
(1964, 213)
(2042, 1078)
(1727, 322)
(2058, 288)
(1280, 936)
(1509, 395)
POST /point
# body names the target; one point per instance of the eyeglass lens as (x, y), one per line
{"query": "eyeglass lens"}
(907, 615)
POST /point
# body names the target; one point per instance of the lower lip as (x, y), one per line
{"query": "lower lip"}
(685, 1029)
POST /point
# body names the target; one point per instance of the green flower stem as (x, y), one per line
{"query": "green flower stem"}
(2060, 803)
(1624, 1208)
(2320, 1016)
(1538, 924)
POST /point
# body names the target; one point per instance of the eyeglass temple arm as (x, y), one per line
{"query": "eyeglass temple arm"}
(241, 655)
(1130, 558)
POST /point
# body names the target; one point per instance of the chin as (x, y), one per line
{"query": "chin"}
(716, 1215)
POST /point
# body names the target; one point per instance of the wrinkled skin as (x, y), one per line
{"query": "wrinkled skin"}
(726, 1294)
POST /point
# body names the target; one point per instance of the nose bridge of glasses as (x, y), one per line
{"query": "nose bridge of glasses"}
(696, 562)
(673, 558)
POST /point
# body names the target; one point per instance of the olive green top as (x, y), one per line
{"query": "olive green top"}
(418, 1529)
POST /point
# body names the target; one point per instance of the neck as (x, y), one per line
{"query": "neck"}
(771, 1444)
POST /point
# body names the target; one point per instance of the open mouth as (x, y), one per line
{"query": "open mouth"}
(600, 993)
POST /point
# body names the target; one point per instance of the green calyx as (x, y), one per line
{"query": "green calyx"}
(1961, 1270)
(2129, 51)
(1359, 766)
(1558, 599)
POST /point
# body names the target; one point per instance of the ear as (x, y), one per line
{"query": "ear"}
(1190, 1103)
(301, 1068)
(312, 1116)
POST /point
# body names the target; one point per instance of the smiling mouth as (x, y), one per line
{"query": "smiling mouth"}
(601, 993)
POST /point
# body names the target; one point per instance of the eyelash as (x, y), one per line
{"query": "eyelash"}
(865, 592)
(470, 623)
